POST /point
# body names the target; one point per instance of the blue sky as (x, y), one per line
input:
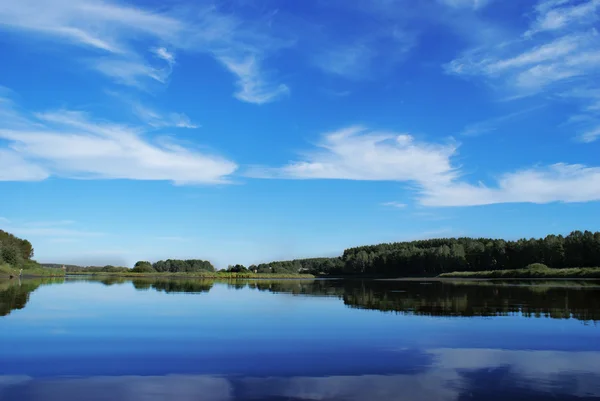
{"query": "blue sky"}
(246, 131)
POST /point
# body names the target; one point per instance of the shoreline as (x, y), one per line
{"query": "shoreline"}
(194, 275)
(490, 279)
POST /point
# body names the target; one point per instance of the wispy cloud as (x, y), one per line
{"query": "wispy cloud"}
(337, 93)
(356, 153)
(396, 205)
(366, 54)
(556, 183)
(65, 230)
(473, 4)
(533, 68)
(72, 144)
(131, 72)
(588, 121)
(555, 15)
(591, 135)
(163, 53)
(492, 124)
(108, 28)
(50, 223)
(13, 167)
(115, 34)
(350, 61)
(545, 59)
(159, 120)
(252, 88)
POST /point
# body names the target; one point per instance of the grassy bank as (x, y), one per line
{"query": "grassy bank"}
(575, 272)
(29, 270)
(200, 275)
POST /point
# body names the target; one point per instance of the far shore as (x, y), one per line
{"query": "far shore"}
(201, 275)
(489, 279)
(544, 273)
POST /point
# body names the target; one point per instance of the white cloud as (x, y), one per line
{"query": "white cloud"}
(103, 26)
(396, 205)
(557, 183)
(473, 4)
(366, 54)
(164, 54)
(591, 135)
(70, 144)
(116, 31)
(530, 69)
(252, 88)
(555, 15)
(159, 120)
(15, 168)
(351, 61)
(588, 122)
(356, 153)
(131, 72)
(559, 52)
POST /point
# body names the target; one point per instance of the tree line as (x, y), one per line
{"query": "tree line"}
(400, 259)
(13, 250)
(436, 256)
(432, 257)
(295, 266)
(174, 266)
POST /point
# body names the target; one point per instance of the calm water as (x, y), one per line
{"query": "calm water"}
(298, 340)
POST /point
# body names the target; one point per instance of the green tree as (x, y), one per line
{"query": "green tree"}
(143, 267)
(12, 255)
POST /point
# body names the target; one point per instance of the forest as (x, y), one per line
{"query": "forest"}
(174, 266)
(430, 258)
(423, 258)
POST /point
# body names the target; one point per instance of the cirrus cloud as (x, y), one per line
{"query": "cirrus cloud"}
(356, 153)
(71, 144)
(136, 46)
(559, 53)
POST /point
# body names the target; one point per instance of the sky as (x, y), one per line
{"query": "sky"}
(248, 131)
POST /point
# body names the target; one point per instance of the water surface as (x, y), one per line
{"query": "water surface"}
(298, 340)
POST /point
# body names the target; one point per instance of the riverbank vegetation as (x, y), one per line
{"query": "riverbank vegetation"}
(434, 257)
(564, 256)
(31, 269)
(536, 271)
(199, 275)
(17, 254)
